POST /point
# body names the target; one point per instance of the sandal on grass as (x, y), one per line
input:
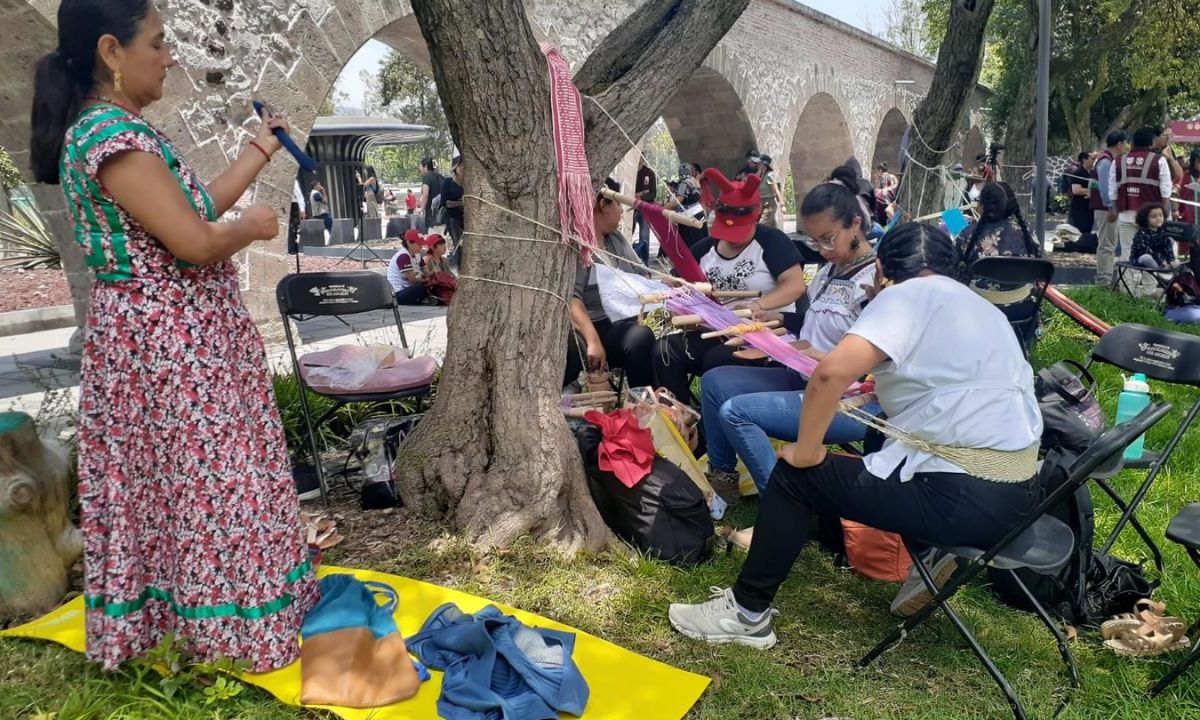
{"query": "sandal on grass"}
(1145, 612)
(1147, 640)
(741, 538)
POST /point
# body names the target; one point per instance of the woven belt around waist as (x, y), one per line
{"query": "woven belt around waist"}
(1005, 466)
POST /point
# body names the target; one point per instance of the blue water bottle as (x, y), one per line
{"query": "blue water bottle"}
(1134, 398)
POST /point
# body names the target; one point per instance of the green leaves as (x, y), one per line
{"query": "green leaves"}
(26, 242)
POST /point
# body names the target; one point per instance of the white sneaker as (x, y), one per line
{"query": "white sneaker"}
(913, 594)
(719, 621)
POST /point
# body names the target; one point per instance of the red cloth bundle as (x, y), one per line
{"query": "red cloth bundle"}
(627, 450)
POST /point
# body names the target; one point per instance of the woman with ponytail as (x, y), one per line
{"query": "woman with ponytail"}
(744, 407)
(189, 513)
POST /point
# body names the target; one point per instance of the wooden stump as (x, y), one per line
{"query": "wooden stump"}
(38, 542)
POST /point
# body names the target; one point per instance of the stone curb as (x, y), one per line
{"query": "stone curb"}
(18, 322)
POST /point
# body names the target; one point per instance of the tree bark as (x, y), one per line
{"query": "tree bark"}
(494, 458)
(638, 66)
(940, 113)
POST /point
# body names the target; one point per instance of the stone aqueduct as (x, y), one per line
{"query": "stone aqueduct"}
(799, 85)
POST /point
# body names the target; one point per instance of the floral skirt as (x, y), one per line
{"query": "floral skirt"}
(189, 513)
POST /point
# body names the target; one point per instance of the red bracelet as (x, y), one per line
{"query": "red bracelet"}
(259, 148)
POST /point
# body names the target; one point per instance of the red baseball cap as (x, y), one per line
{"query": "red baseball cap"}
(433, 239)
(413, 235)
(738, 206)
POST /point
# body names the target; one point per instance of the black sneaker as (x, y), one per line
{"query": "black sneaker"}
(304, 474)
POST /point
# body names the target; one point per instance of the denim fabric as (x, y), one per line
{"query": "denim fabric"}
(744, 408)
(496, 668)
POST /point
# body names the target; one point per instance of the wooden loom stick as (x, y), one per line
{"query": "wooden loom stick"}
(736, 294)
(693, 320)
(735, 330)
(657, 297)
(740, 341)
(577, 413)
(675, 217)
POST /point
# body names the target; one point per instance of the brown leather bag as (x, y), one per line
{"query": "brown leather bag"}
(350, 668)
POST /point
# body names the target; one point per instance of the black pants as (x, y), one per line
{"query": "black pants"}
(328, 220)
(678, 357)
(411, 295)
(940, 508)
(627, 344)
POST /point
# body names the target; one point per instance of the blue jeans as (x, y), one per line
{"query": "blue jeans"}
(744, 407)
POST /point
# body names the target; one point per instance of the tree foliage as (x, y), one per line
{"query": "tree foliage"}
(10, 176)
(406, 92)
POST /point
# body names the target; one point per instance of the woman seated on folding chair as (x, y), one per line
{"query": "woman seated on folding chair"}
(951, 377)
(1001, 231)
(744, 407)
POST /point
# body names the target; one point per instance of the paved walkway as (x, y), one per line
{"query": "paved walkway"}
(35, 363)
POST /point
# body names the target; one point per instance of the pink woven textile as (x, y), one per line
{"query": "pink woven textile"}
(672, 243)
(575, 194)
(717, 316)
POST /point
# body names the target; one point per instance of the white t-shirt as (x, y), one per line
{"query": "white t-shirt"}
(769, 254)
(833, 305)
(955, 374)
(399, 263)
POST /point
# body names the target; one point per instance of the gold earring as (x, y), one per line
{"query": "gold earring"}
(117, 80)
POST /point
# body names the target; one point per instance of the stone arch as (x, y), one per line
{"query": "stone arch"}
(974, 145)
(708, 120)
(888, 140)
(821, 141)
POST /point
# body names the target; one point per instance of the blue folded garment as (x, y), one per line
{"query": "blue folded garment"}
(497, 668)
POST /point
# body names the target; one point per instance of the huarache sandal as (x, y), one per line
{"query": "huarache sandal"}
(1147, 641)
(741, 538)
(1145, 612)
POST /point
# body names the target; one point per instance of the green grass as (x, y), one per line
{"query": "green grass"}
(828, 618)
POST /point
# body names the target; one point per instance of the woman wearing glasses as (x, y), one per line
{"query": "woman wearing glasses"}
(744, 407)
(739, 254)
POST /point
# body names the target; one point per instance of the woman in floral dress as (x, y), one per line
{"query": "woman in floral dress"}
(190, 518)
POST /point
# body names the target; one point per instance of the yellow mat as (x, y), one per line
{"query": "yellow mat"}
(623, 684)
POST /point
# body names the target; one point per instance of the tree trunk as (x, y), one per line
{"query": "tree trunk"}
(494, 458)
(37, 540)
(940, 113)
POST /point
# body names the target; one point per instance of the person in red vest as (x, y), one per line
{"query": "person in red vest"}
(1101, 203)
(1189, 190)
(1141, 176)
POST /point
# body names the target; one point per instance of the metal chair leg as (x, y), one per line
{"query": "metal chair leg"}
(1063, 649)
(1128, 513)
(1002, 682)
(1176, 671)
(961, 577)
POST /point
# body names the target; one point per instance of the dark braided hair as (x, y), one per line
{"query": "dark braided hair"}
(997, 203)
(841, 195)
(912, 248)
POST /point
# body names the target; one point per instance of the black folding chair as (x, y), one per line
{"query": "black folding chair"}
(1164, 356)
(1160, 276)
(336, 294)
(1185, 530)
(1040, 542)
(1017, 286)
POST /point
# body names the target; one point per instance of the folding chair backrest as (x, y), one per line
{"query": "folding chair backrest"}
(1112, 442)
(1013, 270)
(1180, 232)
(333, 293)
(1157, 353)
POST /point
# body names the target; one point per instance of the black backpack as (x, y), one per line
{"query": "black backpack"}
(664, 515)
(1091, 587)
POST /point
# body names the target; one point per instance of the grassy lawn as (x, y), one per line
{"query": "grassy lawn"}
(828, 618)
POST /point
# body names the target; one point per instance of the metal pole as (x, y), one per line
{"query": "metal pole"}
(1043, 119)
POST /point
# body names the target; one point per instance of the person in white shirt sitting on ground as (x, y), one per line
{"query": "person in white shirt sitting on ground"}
(948, 369)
